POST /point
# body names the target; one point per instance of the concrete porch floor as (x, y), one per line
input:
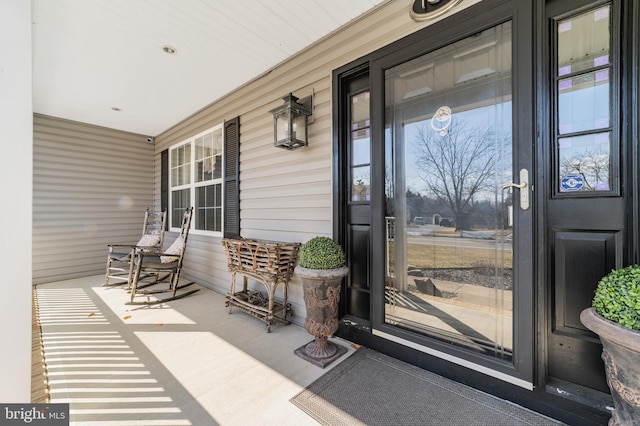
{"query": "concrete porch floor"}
(185, 362)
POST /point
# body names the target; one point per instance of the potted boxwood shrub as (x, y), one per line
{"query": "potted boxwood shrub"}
(615, 317)
(321, 268)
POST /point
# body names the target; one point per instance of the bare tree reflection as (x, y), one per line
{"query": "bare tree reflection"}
(459, 165)
(591, 165)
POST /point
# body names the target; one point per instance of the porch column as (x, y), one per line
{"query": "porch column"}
(16, 176)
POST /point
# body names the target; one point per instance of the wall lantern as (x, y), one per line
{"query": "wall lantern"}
(290, 122)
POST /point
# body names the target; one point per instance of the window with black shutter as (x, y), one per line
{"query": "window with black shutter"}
(192, 175)
(232, 178)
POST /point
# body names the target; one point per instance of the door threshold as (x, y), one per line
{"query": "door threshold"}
(456, 360)
(581, 394)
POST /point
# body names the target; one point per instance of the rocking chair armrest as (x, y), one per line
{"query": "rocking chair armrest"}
(155, 257)
(141, 251)
(175, 256)
(154, 249)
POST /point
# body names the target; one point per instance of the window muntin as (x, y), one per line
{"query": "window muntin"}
(584, 149)
(196, 179)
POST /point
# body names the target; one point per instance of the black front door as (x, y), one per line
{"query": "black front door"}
(491, 183)
(457, 182)
(436, 207)
(586, 193)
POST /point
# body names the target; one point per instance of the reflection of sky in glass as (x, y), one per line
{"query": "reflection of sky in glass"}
(601, 138)
(493, 117)
(583, 102)
(360, 154)
(565, 143)
(577, 145)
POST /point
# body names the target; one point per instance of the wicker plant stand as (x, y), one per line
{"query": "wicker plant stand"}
(268, 262)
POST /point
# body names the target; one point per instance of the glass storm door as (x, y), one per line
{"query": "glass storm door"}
(452, 194)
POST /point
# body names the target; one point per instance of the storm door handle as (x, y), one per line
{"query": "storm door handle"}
(522, 186)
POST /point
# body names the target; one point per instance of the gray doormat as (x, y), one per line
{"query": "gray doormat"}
(373, 389)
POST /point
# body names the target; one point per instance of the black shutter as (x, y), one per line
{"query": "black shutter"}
(232, 178)
(164, 180)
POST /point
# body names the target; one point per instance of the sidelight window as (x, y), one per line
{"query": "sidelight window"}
(585, 152)
(360, 148)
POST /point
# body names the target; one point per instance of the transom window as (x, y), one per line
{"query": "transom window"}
(196, 180)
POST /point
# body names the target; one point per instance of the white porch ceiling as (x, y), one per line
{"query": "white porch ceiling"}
(90, 56)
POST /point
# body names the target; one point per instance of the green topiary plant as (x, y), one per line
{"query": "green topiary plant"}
(617, 297)
(321, 253)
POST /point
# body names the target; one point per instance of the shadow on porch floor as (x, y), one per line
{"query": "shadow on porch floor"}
(184, 362)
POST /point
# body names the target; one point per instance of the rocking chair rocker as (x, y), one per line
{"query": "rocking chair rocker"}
(169, 262)
(119, 266)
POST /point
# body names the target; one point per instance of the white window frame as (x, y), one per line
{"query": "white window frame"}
(192, 185)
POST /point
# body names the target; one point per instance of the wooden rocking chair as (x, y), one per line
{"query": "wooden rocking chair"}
(169, 262)
(119, 266)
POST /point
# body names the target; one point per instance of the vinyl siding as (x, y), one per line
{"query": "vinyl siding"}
(91, 186)
(284, 195)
